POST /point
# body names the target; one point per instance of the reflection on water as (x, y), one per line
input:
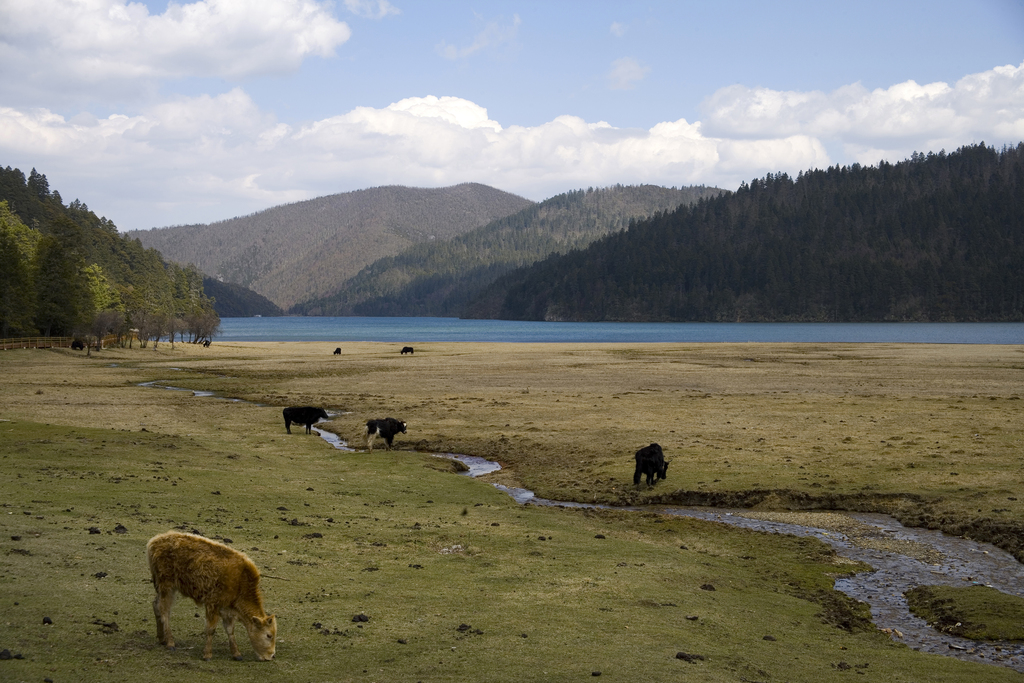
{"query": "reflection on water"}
(405, 330)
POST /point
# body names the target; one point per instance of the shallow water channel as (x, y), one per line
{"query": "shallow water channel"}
(902, 558)
(949, 560)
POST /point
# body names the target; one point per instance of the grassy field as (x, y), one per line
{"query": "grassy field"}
(458, 581)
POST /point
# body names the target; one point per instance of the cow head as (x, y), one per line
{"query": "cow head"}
(263, 636)
(663, 470)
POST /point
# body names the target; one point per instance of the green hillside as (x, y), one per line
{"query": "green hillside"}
(939, 237)
(438, 278)
(235, 301)
(65, 271)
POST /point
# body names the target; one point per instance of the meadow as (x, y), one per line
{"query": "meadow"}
(388, 566)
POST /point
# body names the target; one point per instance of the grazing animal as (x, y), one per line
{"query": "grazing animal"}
(406, 349)
(650, 461)
(337, 351)
(206, 344)
(77, 345)
(306, 415)
(386, 428)
(223, 580)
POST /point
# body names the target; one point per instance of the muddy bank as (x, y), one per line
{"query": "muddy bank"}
(910, 510)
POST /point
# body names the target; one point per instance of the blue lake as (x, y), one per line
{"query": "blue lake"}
(413, 330)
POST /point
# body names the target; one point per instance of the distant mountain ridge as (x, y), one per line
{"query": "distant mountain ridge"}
(306, 249)
(438, 278)
(938, 237)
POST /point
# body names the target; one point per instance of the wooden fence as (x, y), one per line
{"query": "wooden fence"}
(46, 342)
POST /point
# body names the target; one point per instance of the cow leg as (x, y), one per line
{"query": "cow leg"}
(288, 426)
(229, 627)
(212, 616)
(370, 436)
(309, 428)
(636, 475)
(162, 611)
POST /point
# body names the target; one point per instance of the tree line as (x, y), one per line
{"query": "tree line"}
(937, 237)
(66, 272)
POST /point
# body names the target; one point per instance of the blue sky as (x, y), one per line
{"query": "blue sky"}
(158, 114)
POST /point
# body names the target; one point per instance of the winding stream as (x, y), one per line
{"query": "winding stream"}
(952, 561)
(948, 560)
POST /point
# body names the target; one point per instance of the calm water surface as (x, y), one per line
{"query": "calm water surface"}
(412, 330)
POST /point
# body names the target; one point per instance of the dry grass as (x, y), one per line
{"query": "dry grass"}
(931, 433)
(779, 426)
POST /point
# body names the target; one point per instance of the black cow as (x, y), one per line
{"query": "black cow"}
(77, 345)
(386, 427)
(406, 349)
(307, 415)
(206, 344)
(650, 461)
(337, 351)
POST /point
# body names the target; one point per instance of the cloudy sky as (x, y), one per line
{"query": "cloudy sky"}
(158, 113)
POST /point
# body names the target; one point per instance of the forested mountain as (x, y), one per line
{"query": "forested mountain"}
(304, 250)
(65, 271)
(438, 278)
(939, 237)
(235, 301)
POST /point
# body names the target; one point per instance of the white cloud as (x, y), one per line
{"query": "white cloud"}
(212, 157)
(618, 30)
(82, 47)
(494, 33)
(883, 122)
(371, 9)
(626, 73)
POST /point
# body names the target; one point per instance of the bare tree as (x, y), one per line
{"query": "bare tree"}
(203, 326)
(151, 326)
(102, 323)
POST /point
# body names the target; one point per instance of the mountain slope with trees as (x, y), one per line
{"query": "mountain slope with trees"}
(235, 301)
(939, 237)
(438, 278)
(307, 249)
(65, 271)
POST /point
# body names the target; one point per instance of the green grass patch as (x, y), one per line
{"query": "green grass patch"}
(458, 582)
(975, 612)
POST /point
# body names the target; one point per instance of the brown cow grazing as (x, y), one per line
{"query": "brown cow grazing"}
(221, 579)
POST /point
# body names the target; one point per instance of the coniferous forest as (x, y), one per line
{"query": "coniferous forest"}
(66, 272)
(938, 237)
